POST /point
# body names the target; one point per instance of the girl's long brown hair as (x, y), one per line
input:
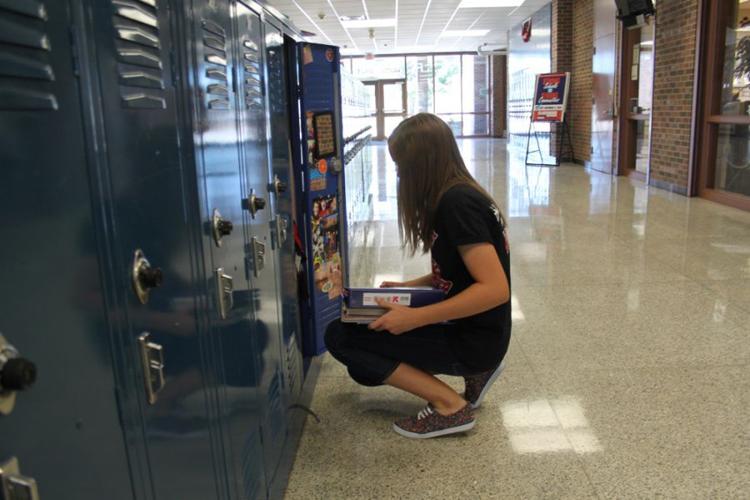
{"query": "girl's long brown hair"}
(429, 164)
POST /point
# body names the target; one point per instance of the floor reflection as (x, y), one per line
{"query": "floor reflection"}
(544, 426)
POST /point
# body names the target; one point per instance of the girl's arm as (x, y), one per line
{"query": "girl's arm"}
(489, 290)
(425, 280)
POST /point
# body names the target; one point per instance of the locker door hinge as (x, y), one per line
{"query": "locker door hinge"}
(173, 68)
(74, 51)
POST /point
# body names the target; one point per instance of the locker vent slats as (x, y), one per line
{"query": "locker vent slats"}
(252, 81)
(216, 74)
(31, 8)
(23, 67)
(140, 67)
(292, 363)
(276, 416)
(252, 470)
(15, 33)
(212, 27)
(215, 45)
(25, 57)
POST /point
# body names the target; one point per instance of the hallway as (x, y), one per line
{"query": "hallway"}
(627, 374)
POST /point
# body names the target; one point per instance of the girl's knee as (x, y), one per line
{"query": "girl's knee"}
(334, 335)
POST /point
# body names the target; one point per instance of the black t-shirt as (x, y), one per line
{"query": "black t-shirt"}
(464, 216)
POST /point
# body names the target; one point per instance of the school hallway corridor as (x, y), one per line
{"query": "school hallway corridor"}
(628, 371)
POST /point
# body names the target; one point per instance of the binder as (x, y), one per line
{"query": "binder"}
(360, 306)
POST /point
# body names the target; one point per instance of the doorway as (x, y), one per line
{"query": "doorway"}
(636, 91)
(390, 99)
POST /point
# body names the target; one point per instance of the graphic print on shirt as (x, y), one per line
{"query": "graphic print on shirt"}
(437, 277)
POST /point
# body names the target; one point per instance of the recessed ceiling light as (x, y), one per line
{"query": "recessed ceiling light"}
(368, 23)
(488, 4)
(463, 33)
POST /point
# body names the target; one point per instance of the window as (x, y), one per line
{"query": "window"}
(456, 87)
(724, 136)
(419, 84)
(379, 68)
(447, 84)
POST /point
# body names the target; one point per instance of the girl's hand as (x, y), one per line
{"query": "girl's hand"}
(398, 319)
(392, 284)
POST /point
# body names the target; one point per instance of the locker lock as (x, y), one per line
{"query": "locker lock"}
(16, 374)
(278, 186)
(220, 227)
(144, 277)
(253, 204)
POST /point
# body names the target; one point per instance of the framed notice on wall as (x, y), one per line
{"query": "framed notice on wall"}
(325, 135)
(551, 97)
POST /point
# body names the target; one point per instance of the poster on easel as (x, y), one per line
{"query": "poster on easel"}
(551, 97)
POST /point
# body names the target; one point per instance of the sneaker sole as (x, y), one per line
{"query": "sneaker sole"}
(495, 375)
(427, 435)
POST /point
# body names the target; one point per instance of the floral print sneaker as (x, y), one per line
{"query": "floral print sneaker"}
(429, 423)
(478, 385)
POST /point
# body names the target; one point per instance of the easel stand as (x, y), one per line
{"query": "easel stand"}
(563, 137)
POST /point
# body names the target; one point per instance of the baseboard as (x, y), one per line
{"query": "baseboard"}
(668, 186)
(297, 419)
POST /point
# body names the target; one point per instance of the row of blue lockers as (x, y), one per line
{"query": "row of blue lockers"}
(171, 193)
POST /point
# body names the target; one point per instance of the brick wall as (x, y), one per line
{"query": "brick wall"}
(562, 35)
(499, 95)
(674, 67)
(572, 43)
(581, 88)
(561, 53)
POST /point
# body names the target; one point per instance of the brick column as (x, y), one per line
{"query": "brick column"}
(561, 51)
(581, 85)
(674, 72)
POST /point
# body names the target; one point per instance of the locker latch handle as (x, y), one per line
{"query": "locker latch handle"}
(258, 255)
(13, 485)
(152, 360)
(225, 292)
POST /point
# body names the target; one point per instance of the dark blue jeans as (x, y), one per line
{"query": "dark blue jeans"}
(371, 357)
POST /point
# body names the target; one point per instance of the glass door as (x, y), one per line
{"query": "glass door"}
(393, 109)
(724, 154)
(389, 105)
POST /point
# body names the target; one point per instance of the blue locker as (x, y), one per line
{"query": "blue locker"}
(235, 230)
(156, 236)
(322, 202)
(65, 429)
(153, 225)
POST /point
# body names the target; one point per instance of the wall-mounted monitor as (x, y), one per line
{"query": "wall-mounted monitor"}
(629, 11)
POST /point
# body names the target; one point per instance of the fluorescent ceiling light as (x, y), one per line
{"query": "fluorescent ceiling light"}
(488, 4)
(351, 52)
(368, 23)
(463, 33)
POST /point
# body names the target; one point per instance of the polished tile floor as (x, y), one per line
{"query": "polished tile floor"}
(629, 370)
